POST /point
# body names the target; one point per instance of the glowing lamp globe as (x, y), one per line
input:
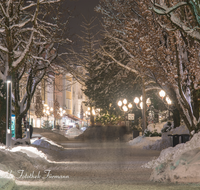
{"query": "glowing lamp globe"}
(125, 101)
(162, 94)
(120, 103)
(148, 102)
(136, 100)
(125, 108)
(130, 105)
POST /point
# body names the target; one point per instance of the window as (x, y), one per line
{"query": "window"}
(68, 83)
(68, 104)
(80, 95)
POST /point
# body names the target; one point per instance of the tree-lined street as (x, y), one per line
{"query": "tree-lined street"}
(110, 165)
(137, 57)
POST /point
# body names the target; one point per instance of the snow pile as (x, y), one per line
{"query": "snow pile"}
(20, 158)
(142, 141)
(73, 132)
(180, 130)
(83, 128)
(166, 141)
(29, 151)
(7, 180)
(45, 143)
(178, 164)
(154, 143)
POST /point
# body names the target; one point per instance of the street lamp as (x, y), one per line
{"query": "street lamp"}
(167, 101)
(61, 112)
(123, 105)
(87, 115)
(47, 111)
(139, 105)
(8, 110)
(139, 101)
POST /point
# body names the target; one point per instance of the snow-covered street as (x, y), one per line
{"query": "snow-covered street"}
(80, 165)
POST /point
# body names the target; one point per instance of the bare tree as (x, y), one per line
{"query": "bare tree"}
(119, 19)
(28, 36)
(169, 53)
(173, 11)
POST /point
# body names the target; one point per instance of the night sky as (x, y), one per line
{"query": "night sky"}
(82, 7)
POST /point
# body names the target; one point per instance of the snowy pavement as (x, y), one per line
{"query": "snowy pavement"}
(89, 165)
(102, 166)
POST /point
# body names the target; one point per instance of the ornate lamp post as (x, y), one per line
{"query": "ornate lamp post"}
(139, 105)
(126, 108)
(87, 115)
(124, 105)
(47, 111)
(61, 112)
(167, 101)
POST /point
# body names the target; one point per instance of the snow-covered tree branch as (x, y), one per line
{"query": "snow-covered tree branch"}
(28, 35)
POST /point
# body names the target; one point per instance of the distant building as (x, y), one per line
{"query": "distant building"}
(67, 93)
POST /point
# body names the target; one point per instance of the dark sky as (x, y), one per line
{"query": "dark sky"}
(82, 7)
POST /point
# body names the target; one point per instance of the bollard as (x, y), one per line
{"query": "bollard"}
(8, 138)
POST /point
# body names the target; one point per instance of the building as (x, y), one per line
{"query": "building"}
(62, 95)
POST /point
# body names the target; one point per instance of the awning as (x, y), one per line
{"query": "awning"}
(74, 117)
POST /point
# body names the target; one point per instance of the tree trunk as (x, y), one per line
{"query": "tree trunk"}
(195, 103)
(176, 118)
(144, 117)
(91, 117)
(18, 128)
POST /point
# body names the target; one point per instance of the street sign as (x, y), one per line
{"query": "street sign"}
(131, 116)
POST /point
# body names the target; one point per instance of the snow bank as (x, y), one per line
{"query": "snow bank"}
(154, 143)
(29, 151)
(178, 164)
(165, 141)
(45, 143)
(7, 180)
(142, 141)
(180, 130)
(83, 128)
(73, 132)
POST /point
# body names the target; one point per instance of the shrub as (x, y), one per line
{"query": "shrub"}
(167, 127)
(47, 125)
(148, 133)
